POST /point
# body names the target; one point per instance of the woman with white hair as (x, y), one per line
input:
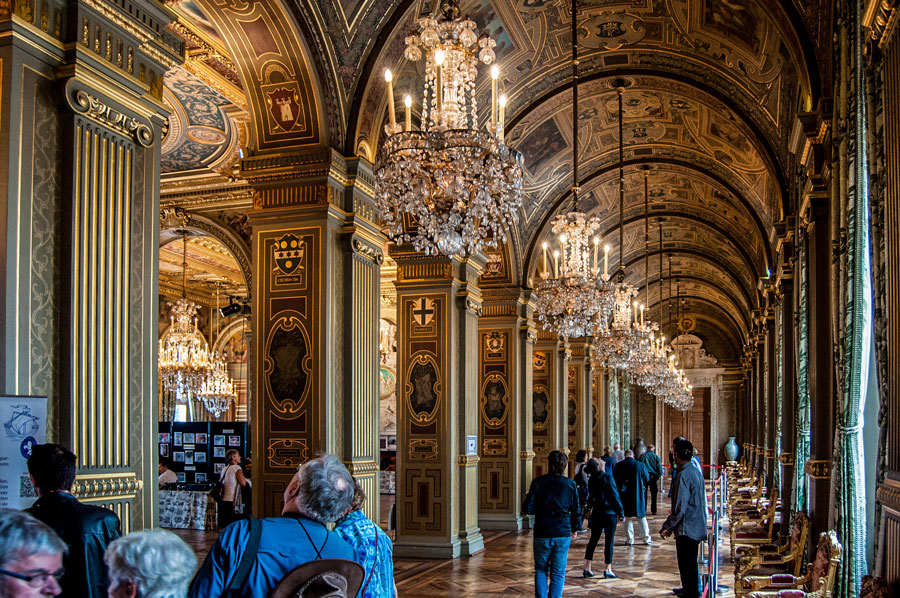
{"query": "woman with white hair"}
(149, 564)
(30, 557)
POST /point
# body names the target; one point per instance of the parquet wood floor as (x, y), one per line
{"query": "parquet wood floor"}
(505, 568)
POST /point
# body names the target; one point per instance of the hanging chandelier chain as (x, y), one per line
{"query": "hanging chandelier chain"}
(621, 92)
(574, 106)
(646, 238)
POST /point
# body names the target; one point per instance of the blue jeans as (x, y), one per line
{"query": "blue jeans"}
(550, 556)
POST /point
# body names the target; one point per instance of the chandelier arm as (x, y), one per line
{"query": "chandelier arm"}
(574, 106)
(621, 92)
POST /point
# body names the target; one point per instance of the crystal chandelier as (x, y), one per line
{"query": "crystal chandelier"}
(572, 296)
(448, 188)
(620, 339)
(217, 390)
(184, 358)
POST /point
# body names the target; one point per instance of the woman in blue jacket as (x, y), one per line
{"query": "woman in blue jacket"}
(606, 512)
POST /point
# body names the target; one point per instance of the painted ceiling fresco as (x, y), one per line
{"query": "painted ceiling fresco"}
(209, 262)
(202, 130)
(712, 89)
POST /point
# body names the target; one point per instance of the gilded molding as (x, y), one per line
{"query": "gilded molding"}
(888, 496)
(93, 108)
(473, 305)
(362, 467)
(367, 251)
(87, 487)
(880, 19)
(526, 455)
(787, 459)
(818, 469)
(468, 460)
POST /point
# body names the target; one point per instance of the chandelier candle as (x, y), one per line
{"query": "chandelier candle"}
(407, 101)
(501, 128)
(495, 75)
(389, 78)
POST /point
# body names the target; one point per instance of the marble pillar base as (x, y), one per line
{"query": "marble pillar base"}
(428, 548)
(500, 521)
(471, 542)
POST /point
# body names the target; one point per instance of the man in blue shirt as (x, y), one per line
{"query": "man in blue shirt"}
(687, 521)
(374, 550)
(320, 493)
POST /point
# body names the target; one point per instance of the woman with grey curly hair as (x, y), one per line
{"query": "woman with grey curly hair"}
(149, 564)
(30, 556)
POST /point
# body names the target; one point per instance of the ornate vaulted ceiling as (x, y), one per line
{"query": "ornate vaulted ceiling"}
(712, 88)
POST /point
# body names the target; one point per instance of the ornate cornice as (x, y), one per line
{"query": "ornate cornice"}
(880, 20)
(93, 108)
(818, 469)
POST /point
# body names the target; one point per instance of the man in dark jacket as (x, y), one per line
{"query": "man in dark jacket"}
(553, 499)
(631, 478)
(654, 467)
(86, 529)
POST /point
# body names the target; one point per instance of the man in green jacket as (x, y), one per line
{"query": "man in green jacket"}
(651, 461)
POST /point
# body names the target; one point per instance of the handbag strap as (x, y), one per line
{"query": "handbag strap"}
(247, 560)
(362, 592)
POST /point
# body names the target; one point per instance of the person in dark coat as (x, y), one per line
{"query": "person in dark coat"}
(608, 460)
(606, 512)
(581, 477)
(553, 500)
(631, 477)
(654, 467)
(86, 529)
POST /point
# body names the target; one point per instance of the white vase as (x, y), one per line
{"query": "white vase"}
(731, 449)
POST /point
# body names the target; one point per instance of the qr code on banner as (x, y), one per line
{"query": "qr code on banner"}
(26, 488)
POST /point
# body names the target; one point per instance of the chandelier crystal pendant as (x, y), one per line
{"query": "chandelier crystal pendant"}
(573, 295)
(184, 358)
(217, 392)
(448, 188)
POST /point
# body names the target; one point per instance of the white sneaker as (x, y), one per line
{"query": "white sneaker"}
(648, 542)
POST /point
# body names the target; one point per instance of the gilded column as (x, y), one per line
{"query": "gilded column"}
(505, 412)
(82, 118)
(578, 402)
(315, 308)
(438, 302)
(770, 399)
(788, 387)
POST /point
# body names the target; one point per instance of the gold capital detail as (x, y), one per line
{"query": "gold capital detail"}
(367, 251)
(526, 455)
(786, 459)
(468, 460)
(126, 484)
(818, 469)
(93, 108)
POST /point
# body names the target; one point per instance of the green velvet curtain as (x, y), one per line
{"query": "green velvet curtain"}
(854, 330)
(626, 414)
(613, 377)
(779, 396)
(878, 254)
(801, 441)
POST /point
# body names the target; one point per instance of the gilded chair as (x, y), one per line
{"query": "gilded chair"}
(747, 494)
(754, 527)
(817, 583)
(786, 558)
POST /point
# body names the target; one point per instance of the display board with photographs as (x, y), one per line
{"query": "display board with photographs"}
(196, 450)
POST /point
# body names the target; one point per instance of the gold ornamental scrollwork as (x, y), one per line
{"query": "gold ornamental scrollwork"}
(818, 469)
(91, 107)
(787, 459)
(367, 251)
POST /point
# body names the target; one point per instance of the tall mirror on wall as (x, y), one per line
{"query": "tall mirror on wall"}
(204, 330)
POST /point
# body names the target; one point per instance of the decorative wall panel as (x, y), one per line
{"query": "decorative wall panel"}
(497, 421)
(542, 405)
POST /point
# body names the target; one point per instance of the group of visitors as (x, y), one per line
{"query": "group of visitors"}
(605, 491)
(63, 546)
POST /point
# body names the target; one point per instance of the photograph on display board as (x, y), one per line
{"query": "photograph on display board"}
(200, 478)
(181, 477)
(234, 441)
(189, 438)
(200, 438)
(164, 450)
(176, 438)
(218, 452)
(188, 457)
(199, 457)
(219, 440)
(219, 468)
(163, 438)
(178, 456)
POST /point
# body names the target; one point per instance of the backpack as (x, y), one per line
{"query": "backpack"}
(321, 578)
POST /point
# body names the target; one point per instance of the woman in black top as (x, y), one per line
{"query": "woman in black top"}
(607, 512)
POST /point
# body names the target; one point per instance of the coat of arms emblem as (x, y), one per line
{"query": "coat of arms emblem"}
(284, 107)
(289, 252)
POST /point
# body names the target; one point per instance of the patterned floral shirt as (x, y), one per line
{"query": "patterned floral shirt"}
(374, 551)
